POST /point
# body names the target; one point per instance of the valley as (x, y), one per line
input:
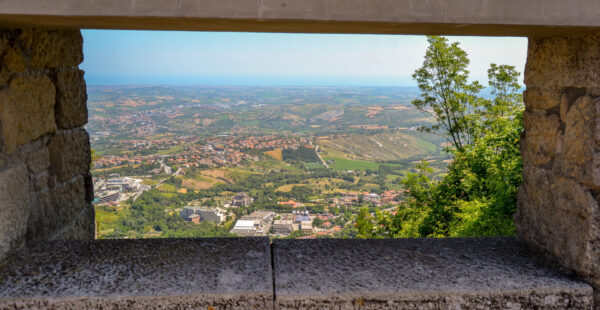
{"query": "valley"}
(323, 152)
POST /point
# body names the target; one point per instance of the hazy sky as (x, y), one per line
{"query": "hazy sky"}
(163, 57)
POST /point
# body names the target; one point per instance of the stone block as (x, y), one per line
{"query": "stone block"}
(56, 209)
(26, 110)
(539, 145)
(38, 181)
(222, 273)
(52, 48)
(568, 61)
(38, 160)
(541, 99)
(580, 158)
(576, 229)
(13, 59)
(459, 273)
(71, 98)
(14, 207)
(560, 216)
(535, 205)
(69, 154)
(82, 228)
(89, 187)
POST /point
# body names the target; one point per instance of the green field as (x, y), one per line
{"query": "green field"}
(312, 166)
(349, 164)
(165, 187)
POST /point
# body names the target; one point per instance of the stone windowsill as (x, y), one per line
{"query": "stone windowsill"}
(237, 273)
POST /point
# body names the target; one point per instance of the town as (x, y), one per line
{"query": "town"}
(238, 161)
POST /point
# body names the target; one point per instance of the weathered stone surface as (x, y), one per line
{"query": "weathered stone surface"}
(69, 154)
(21, 153)
(541, 99)
(581, 154)
(571, 61)
(14, 60)
(26, 110)
(82, 228)
(466, 273)
(558, 209)
(38, 160)
(71, 99)
(539, 145)
(57, 209)
(227, 273)
(39, 181)
(14, 207)
(535, 201)
(54, 48)
(560, 216)
(89, 187)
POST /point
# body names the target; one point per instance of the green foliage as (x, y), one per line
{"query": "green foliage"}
(364, 224)
(148, 216)
(142, 169)
(477, 197)
(445, 89)
(301, 154)
(317, 222)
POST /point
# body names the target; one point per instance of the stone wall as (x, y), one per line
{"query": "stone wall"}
(558, 201)
(45, 183)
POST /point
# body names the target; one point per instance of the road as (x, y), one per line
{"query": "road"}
(321, 158)
(136, 195)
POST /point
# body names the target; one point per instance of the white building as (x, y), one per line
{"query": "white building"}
(214, 215)
(244, 228)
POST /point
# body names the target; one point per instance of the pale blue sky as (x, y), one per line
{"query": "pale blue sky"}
(163, 57)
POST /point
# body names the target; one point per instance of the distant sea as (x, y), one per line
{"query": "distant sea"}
(110, 79)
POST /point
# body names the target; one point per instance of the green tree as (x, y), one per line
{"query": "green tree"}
(446, 92)
(364, 224)
(477, 197)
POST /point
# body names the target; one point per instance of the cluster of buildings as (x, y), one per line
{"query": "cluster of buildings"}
(217, 150)
(295, 221)
(200, 214)
(229, 149)
(257, 223)
(115, 189)
(351, 198)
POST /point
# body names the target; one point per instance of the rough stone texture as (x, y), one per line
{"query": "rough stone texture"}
(71, 98)
(228, 273)
(69, 154)
(26, 110)
(464, 273)
(41, 89)
(56, 209)
(558, 209)
(14, 207)
(582, 133)
(54, 48)
(541, 139)
(568, 61)
(38, 160)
